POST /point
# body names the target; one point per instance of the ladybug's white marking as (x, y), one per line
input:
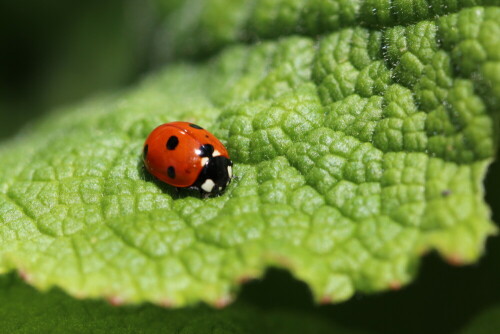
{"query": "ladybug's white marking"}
(208, 185)
(204, 161)
(216, 153)
(230, 171)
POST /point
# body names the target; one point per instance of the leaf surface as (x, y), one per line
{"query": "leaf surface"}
(355, 153)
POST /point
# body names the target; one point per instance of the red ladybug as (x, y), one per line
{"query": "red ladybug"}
(185, 155)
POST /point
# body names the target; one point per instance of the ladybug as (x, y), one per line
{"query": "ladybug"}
(185, 155)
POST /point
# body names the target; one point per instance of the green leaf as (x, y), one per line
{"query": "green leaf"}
(485, 322)
(199, 26)
(355, 153)
(24, 310)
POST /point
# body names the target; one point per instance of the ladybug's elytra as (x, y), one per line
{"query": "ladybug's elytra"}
(185, 155)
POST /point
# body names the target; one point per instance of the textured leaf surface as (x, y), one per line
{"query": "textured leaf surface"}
(355, 153)
(199, 26)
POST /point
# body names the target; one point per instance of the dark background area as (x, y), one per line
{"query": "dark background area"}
(50, 58)
(55, 52)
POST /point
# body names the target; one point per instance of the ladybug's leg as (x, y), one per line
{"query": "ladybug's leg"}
(204, 194)
(145, 173)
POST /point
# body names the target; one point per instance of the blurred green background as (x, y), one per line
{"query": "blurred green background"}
(50, 59)
(57, 52)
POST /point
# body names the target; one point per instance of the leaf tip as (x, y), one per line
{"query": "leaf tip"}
(245, 279)
(115, 300)
(167, 303)
(25, 276)
(223, 301)
(326, 300)
(395, 285)
(455, 260)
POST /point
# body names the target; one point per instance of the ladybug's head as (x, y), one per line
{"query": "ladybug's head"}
(216, 174)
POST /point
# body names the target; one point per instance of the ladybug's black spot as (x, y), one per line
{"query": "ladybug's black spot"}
(206, 151)
(195, 126)
(172, 143)
(171, 172)
(145, 152)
